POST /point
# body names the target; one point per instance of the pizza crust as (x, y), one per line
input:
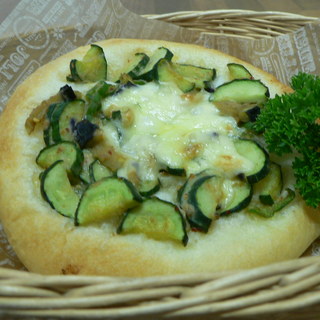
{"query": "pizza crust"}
(49, 243)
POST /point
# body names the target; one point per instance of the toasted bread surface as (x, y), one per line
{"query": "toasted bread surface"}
(49, 243)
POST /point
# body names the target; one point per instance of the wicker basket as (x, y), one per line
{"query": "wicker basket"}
(287, 290)
(237, 23)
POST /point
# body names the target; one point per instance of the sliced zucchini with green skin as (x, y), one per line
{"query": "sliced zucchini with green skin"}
(181, 172)
(137, 64)
(268, 211)
(238, 71)
(47, 132)
(92, 68)
(67, 151)
(254, 152)
(210, 195)
(96, 94)
(204, 196)
(166, 73)
(116, 120)
(243, 91)
(236, 196)
(183, 192)
(57, 190)
(150, 70)
(209, 86)
(270, 186)
(156, 219)
(73, 77)
(88, 159)
(106, 198)
(64, 118)
(198, 75)
(98, 171)
(266, 199)
(125, 81)
(150, 187)
(139, 82)
(197, 219)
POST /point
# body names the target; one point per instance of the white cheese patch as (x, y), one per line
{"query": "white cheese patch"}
(178, 130)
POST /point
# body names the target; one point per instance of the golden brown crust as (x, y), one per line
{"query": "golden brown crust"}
(48, 243)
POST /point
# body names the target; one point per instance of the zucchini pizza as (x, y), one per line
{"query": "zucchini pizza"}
(136, 158)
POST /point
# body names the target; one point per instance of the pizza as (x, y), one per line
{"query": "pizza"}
(134, 158)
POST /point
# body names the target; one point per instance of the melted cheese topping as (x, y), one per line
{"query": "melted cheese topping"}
(166, 128)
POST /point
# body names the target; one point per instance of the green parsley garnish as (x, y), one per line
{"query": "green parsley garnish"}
(290, 123)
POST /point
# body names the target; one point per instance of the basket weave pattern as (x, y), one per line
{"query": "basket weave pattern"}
(237, 23)
(282, 287)
(291, 288)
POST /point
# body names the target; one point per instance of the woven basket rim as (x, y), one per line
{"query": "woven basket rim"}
(280, 287)
(218, 11)
(232, 12)
(250, 24)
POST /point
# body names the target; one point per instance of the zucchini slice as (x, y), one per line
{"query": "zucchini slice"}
(236, 196)
(95, 95)
(198, 75)
(157, 219)
(183, 192)
(210, 194)
(64, 118)
(93, 67)
(150, 70)
(270, 187)
(199, 218)
(136, 64)
(47, 132)
(268, 211)
(181, 172)
(244, 91)
(238, 71)
(116, 121)
(204, 196)
(67, 151)
(57, 190)
(88, 159)
(104, 199)
(257, 155)
(149, 187)
(166, 73)
(98, 171)
(266, 199)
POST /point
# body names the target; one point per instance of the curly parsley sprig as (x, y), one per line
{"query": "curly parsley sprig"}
(291, 123)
